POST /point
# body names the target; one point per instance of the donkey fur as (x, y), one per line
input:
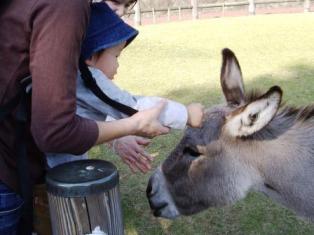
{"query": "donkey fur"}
(216, 166)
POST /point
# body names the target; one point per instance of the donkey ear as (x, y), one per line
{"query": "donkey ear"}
(251, 118)
(231, 78)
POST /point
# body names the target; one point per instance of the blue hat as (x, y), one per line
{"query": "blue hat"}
(106, 29)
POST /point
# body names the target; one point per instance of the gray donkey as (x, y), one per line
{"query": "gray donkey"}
(250, 143)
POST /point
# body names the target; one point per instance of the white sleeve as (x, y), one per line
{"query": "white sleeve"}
(174, 115)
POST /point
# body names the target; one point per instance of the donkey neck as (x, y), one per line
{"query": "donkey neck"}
(285, 163)
(287, 152)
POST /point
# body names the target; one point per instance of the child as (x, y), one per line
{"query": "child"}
(101, 48)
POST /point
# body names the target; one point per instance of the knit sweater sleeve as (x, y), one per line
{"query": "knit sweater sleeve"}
(57, 29)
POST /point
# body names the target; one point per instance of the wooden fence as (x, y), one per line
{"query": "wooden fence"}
(194, 8)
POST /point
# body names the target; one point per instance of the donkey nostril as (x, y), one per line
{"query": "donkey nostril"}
(157, 213)
(153, 185)
(149, 188)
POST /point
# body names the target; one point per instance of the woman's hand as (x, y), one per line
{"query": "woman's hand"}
(147, 121)
(131, 149)
(144, 123)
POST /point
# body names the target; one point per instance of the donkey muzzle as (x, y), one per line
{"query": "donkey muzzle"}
(159, 198)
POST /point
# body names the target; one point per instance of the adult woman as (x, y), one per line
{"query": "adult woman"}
(43, 38)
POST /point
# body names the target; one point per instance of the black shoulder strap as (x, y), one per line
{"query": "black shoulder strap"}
(26, 185)
(8, 107)
(90, 82)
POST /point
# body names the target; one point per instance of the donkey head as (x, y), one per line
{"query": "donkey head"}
(206, 168)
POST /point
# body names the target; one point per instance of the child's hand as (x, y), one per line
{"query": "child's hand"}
(195, 114)
(131, 149)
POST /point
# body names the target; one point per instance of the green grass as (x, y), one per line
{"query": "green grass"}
(182, 61)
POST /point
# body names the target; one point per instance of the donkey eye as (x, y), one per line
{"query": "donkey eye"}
(253, 117)
(191, 152)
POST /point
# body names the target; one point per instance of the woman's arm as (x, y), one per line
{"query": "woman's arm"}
(144, 123)
(57, 28)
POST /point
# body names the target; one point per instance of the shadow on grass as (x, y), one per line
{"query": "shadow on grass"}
(254, 215)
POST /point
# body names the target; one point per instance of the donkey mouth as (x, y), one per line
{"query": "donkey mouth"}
(157, 209)
(162, 210)
(155, 206)
(160, 200)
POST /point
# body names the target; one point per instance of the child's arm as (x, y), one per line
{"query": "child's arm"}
(175, 115)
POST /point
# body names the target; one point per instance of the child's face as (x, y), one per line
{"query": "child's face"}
(107, 61)
(118, 8)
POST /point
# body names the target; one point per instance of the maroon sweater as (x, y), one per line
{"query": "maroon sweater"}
(43, 38)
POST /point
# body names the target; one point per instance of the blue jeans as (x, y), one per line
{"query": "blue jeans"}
(10, 210)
